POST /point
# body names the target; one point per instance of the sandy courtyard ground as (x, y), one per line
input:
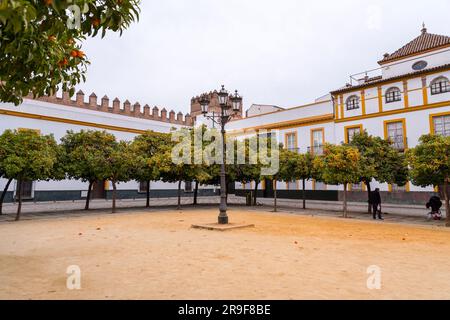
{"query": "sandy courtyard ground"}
(158, 256)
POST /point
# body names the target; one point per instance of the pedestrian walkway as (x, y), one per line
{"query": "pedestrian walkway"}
(395, 213)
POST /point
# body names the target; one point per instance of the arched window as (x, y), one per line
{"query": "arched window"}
(440, 85)
(393, 94)
(352, 103)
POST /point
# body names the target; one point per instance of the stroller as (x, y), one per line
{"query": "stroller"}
(435, 204)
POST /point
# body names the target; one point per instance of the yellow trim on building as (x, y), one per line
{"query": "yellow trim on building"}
(363, 101)
(424, 90)
(360, 126)
(70, 121)
(341, 100)
(397, 111)
(403, 121)
(405, 94)
(380, 99)
(286, 134)
(303, 122)
(407, 187)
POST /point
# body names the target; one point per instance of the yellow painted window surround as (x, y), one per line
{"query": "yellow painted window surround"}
(349, 130)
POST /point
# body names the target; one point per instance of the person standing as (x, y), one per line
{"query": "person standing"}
(375, 201)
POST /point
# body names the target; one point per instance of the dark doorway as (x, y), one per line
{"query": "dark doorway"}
(268, 191)
(27, 190)
(98, 190)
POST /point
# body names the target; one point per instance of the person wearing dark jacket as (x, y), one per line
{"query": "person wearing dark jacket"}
(375, 201)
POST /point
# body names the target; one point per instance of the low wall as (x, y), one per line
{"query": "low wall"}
(46, 196)
(411, 198)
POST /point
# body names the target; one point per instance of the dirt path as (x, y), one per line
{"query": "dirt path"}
(158, 256)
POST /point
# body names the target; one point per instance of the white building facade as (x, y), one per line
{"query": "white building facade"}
(410, 98)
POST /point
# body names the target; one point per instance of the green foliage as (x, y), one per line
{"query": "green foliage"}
(40, 51)
(339, 165)
(144, 148)
(430, 161)
(86, 154)
(29, 155)
(379, 160)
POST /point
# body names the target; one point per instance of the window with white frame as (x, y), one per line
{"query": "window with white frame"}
(442, 125)
(352, 103)
(317, 138)
(396, 134)
(188, 186)
(291, 142)
(393, 94)
(440, 85)
(351, 132)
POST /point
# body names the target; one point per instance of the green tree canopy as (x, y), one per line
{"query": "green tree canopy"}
(379, 161)
(40, 41)
(119, 166)
(85, 156)
(339, 165)
(144, 148)
(31, 156)
(429, 164)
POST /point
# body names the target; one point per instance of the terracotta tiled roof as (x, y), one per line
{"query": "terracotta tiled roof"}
(426, 41)
(378, 80)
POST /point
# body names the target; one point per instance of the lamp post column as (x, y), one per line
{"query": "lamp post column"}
(223, 217)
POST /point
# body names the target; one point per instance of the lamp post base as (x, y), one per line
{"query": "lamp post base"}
(223, 220)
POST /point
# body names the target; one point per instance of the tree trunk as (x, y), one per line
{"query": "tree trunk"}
(2, 198)
(255, 196)
(19, 191)
(147, 205)
(447, 205)
(195, 193)
(179, 195)
(114, 196)
(304, 193)
(369, 191)
(275, 208)
(88, 198)
(345, 200)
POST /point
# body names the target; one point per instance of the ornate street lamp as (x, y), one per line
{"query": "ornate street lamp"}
(226, 114)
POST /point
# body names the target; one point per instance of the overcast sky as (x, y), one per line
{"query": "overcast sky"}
(284, 52)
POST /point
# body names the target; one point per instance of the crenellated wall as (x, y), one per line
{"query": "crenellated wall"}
(116, 107)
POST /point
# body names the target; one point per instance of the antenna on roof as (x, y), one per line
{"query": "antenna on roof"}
(424, 29)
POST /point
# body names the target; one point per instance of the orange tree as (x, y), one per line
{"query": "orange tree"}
(339, 165)
(430, 165)
(41, 40)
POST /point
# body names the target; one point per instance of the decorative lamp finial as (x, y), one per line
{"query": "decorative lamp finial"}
(424, 28)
